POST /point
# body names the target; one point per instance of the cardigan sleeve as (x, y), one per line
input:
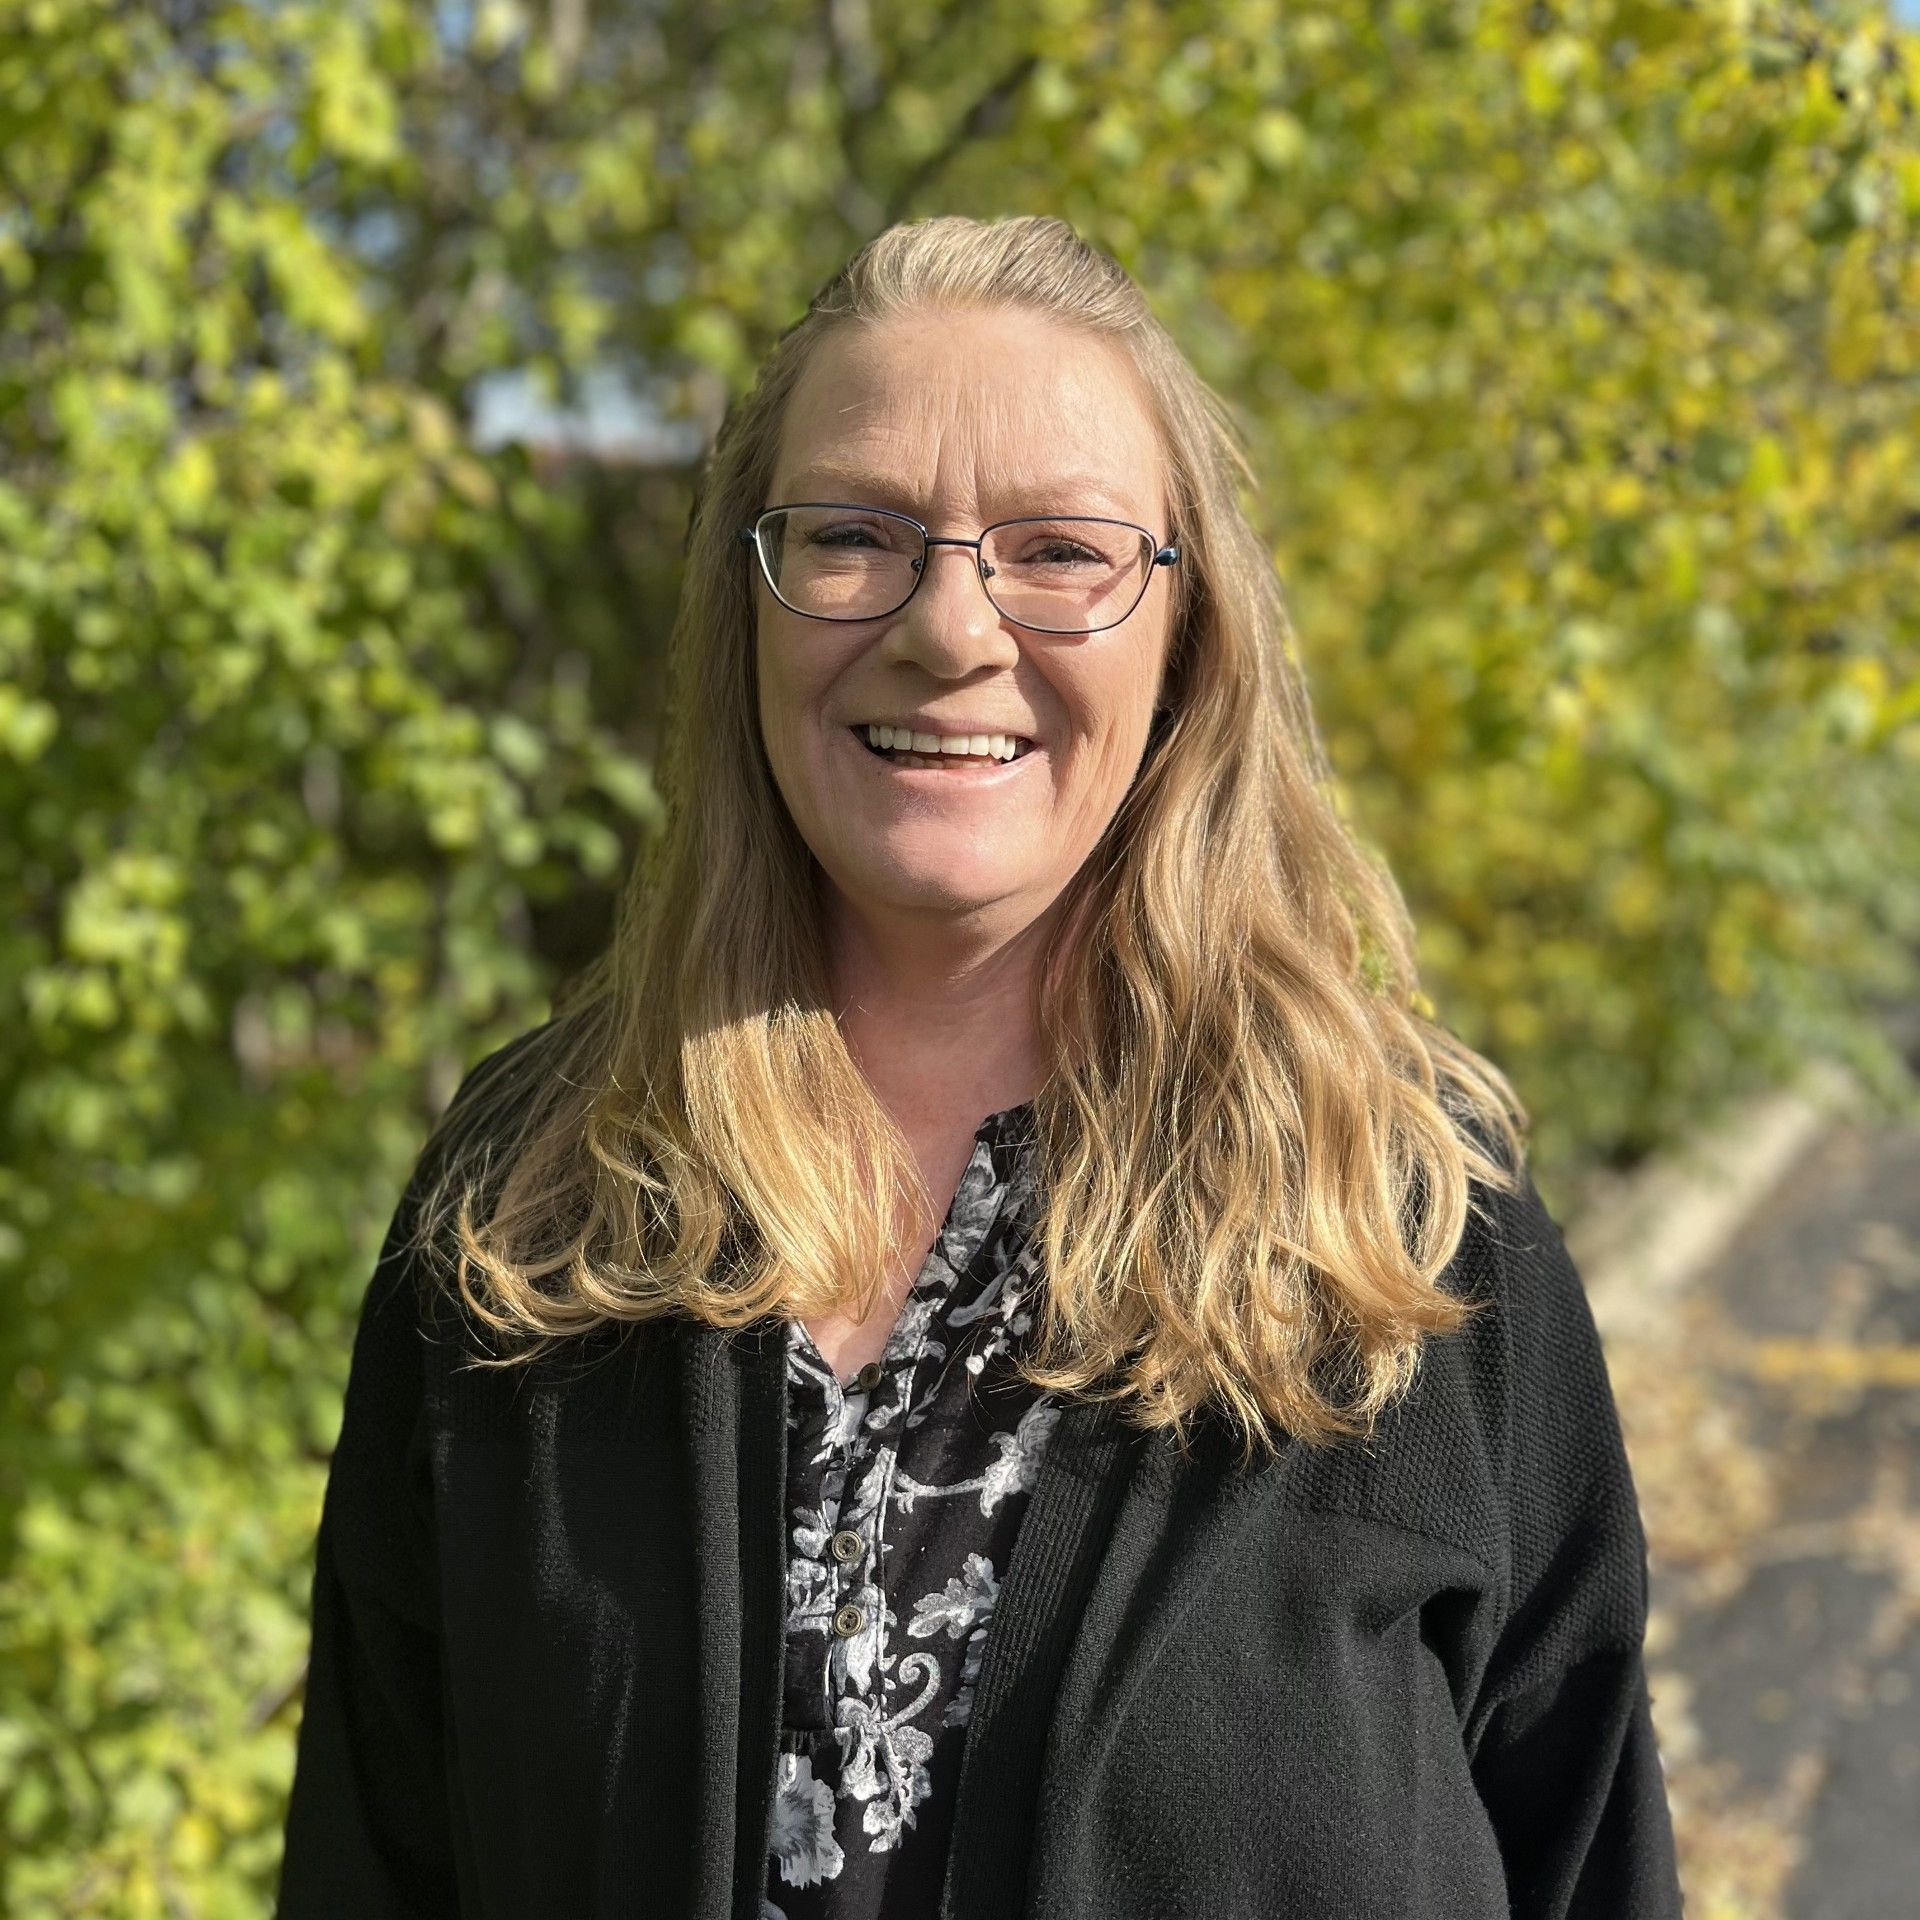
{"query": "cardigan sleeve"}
(1561, 1735)
(367, 1827)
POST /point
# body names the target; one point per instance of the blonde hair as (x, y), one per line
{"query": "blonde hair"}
(1254, 1151)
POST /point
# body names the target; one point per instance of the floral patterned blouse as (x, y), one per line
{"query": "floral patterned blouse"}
(905, 1487)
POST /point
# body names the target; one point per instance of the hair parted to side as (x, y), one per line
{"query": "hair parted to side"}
(1255, 1152)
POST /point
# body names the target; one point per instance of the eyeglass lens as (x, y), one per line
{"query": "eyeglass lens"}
(1061, 574)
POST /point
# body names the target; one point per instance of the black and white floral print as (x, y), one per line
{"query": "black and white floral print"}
(905, 1489)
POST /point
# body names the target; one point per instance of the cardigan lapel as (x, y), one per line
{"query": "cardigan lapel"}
(1049, 1576)
(1122, 1535)
(735, 1401)
(1179, 1522)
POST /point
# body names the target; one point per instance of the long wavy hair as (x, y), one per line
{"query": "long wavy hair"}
(1254, 1148)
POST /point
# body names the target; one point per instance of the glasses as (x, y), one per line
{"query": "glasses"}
(1055, 573)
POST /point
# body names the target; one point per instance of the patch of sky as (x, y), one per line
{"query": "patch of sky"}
(613, 417)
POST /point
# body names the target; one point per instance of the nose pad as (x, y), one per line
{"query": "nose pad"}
(980, 563)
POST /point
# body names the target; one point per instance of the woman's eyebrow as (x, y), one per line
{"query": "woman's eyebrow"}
(856, 483)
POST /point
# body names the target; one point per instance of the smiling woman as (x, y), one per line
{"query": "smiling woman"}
(933, 886)
(1082, 1409)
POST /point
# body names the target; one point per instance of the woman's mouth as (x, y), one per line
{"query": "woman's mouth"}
(968, 768)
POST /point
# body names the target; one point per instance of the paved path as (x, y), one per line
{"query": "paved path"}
(1777, 1439)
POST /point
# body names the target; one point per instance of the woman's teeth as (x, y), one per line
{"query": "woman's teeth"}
(933, 747)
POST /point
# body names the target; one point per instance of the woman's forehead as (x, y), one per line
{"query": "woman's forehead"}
(869, 416)
(1001, 370)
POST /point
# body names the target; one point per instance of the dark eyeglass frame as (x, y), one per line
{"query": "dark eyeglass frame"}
(1165, 555)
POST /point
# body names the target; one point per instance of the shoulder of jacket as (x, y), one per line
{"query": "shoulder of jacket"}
(1477, 1425)
(1568, 1501)
(415, 1248)
(1514, 1255)
(477, 1098)
(1431, 1464)
(521, 1054)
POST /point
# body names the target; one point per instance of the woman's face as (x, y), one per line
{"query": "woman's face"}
(961, 420)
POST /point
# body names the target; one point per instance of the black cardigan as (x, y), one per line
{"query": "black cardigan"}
(1394, 1679)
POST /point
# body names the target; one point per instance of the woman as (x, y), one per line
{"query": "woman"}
(988, 1361)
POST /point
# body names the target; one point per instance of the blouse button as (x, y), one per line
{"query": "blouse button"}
(846, 1545)
(869, 1376)
(848, 1621)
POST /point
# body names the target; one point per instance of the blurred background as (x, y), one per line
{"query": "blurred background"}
(355, 359)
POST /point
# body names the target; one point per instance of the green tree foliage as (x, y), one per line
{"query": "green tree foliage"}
(1577, 345)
